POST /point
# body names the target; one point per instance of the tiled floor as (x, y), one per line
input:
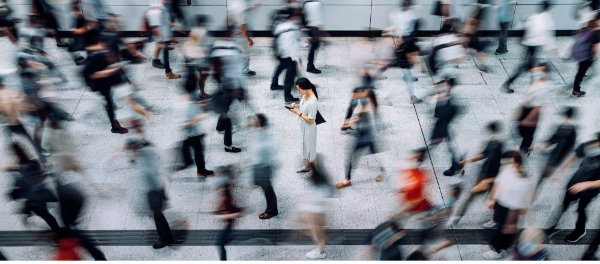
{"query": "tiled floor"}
(364, 205)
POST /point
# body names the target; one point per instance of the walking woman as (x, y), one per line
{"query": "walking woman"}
(307, 113)
(510, 197)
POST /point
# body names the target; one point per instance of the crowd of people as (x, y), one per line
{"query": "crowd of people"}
(96, 43)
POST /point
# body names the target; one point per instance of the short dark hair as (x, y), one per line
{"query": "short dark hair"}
(514, 155)
(546, 5)
(406, 3)
(569, 112)
(262, 120)
(202, 20)
(494, 126)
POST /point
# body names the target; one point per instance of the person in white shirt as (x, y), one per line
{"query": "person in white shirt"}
(539, 32)
(159, 21)
(237, 18)
(403, 20)
(287, 49)
(314, 21)
(510, 197)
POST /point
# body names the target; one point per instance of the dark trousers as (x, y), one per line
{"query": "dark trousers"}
(110, 104)
(527, 64)
(392, 252)
(270, 197)
(166, 57)
(224, 238)
(581, 70)
(354, 156)
(20, 130)
(590, 252)
(291, 71)
(527, 133)
(503, 36)
(162, 227)
(315, 44)
(43, 212)
(224, 124)
(195, 143)
(89, 245)
(584, 201)
(501, 241)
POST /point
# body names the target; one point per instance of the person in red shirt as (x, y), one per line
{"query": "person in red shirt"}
(413, 180)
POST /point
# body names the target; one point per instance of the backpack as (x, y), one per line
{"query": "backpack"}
(583, 45)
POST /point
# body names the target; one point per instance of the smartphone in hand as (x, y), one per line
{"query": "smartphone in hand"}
(288, 107)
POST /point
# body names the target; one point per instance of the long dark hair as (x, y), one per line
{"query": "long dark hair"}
(305, 84)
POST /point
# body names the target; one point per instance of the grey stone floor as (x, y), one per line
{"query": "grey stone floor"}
(364, 205)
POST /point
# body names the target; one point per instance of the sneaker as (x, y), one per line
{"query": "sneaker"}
(158, 64)
(575, 236)
(267, 215)
(492, 254)
(378, 178)
(172, 75)
(578, 94)
(346, 130)
(505, 88)
(343, 184)
(483, 68)
(250, 73)
(232, 149)
(119, 130)
(316, 254)
(489, 225)
(415, 100)
(303, 169)
(159, 245)
(205, 173)
(500, 52)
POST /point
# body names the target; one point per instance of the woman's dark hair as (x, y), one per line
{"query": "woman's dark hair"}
(569, 112)
(262, 120)
(514, 155)
(305, 84)
(22, 156)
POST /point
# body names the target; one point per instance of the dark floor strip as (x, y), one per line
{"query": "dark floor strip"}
(256, 237)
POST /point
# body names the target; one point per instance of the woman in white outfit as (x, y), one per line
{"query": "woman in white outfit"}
(307, 114)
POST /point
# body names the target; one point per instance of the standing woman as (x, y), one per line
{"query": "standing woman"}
(307, 112)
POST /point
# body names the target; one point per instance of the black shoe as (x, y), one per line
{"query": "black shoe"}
(267, 215)
(575, 236)
(119, 130)
(250, 73)
(205, 173)
(158, 64)
(578, 94)
(79, 60)
(500, 52)
(276, 87)
(233, 150)
(506, 88)
(313, 70)
(62, 45)
(160, 244)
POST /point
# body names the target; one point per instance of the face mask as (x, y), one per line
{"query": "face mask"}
(527, 248)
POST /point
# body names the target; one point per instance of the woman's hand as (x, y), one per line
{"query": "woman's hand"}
(294, 105)
(491, 203)
(295, 111)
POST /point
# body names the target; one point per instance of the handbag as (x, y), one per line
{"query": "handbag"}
(319, 119)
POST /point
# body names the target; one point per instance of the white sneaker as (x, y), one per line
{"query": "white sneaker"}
(316, 254)
(492, 254)
(489, 224)
(452, 221)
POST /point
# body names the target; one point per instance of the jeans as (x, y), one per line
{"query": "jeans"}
(503, 36)
(315, 44)
(581, 70)
(194, 142)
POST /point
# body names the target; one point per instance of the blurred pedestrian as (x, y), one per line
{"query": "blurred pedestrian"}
(196, 51)
(262, 165)
(237, 20)
(539, 33)
(530, 108)
(307, 114)
(530, 246)
(492, 154)
(504, 19)
(159, 21)
(411, 185)
(471, 33)
(510, 197)
(45, 11)
(365, 139)
(583, 186)
(147, 164)
(313, 16)
(287, 50)
(384, 241)
(584, 52)
(191, 116)
(227, 209)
